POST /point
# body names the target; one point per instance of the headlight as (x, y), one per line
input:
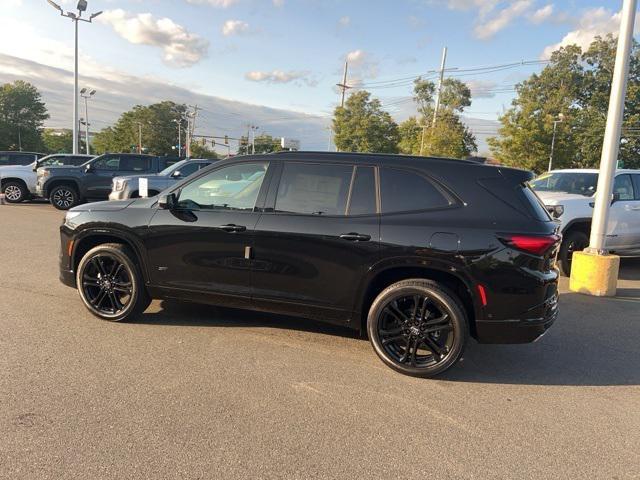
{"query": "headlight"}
(556, 211)
(44, 173)
(118, 185)
(69, 217)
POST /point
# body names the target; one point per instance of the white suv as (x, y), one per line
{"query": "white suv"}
(569, 196)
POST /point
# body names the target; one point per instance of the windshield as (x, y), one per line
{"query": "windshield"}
(579, 183)
(172, 168)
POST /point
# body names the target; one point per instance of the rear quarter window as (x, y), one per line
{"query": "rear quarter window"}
(405, 191)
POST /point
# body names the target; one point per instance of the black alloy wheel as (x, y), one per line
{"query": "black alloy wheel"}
(63, 197)
(110, 284)
(418, 328)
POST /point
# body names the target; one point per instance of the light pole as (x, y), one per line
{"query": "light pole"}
(75, 18)
(179, 122)
(83, 94)
(253, 139)
(553, 138)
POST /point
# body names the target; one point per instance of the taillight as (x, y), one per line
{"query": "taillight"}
(535, 244)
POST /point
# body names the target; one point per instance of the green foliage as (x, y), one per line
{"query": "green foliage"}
(57, 141)
(202, 151)
(22, 115)
(450, 137)
(575, 84)
(362, 126)
(264, 143)
(159, 130)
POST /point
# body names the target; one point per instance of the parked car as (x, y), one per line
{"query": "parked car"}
(18, 158)
(569, 195)
(127, 186)
(18, 182)
(418, 252)
(68, 186)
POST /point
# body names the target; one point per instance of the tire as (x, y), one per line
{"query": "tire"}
(573, 241)
(15, 192)
(110, 283)
(441, 339)
(64, 197)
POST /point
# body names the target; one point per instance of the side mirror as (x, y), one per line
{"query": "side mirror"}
(615, 198)
(88, 168)
(176, 174)
(167, 202)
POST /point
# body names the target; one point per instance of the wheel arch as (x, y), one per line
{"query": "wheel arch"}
(55, 182)
(92, 238)
(580, 224)
(382, 277)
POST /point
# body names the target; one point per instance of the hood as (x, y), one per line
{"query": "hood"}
(554, 198)
(107, 206)
(128, 178)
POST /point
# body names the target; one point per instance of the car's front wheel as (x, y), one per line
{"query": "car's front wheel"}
(418, 327)
(64, 197)
(15, 192)
(110, 283)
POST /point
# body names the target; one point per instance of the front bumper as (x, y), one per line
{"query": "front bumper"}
(523, 330)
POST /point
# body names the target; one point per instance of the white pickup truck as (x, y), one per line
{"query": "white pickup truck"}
(18, 182)
(569, 196)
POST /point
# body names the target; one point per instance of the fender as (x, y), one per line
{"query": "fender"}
(123, 235)
(440, 265)
(574, 222)
(46, 187)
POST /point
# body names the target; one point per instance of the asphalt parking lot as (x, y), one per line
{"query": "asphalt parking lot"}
(197, 392)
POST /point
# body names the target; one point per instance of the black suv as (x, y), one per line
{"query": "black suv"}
(68, 186)
(418, 252)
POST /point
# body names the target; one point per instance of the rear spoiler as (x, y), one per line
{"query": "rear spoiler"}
(516, 175)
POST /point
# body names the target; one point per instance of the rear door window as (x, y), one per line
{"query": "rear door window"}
(314, 189)
(404, 191)
(135, 164)
(636, 185)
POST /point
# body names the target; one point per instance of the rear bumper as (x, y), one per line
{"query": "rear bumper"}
(524, 330)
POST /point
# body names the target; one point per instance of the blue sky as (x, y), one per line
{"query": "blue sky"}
(288, 54)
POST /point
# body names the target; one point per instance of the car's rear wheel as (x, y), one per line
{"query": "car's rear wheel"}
(15, 192)
(64, 197)
(575, 241)
(418, 327)
(110, 283)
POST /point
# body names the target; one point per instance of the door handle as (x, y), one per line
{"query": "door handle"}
(231, 228)
(355, 237)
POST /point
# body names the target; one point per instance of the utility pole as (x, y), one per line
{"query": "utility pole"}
(191, 127)
(343, 86)
(139, 137)
(439, 91)
(253, 139)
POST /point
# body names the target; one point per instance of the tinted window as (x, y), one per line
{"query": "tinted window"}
(235, 187)
(580, 183)
(135, 164)
(107, 163)
(16, 158)
(314, 189)
(363, 192)
(188, 169)
(636, 185)
(402, 191)
(623, 187)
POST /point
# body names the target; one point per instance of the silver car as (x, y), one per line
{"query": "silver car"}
(126, 187)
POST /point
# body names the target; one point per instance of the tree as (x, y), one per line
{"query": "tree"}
(57, 141)
(362, 126)
(22, 115)
(159, 125)
(264, 143)
(575, 84)
(202, 151)
(449, 137)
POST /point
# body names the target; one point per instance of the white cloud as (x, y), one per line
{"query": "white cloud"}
(502, 19)
(234, 27)
(180, 48)
(279, 76)
(214, 3)
(593, 22)
(361, 65)
(344, 21)
(482, 88)
(542, 14)
(278, 3)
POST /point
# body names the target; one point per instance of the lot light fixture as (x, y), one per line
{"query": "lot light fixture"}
(75, 17)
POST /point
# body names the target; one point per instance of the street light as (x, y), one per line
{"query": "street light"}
(86, 94)
(553, 139)
(179, 122)
(75, 17)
